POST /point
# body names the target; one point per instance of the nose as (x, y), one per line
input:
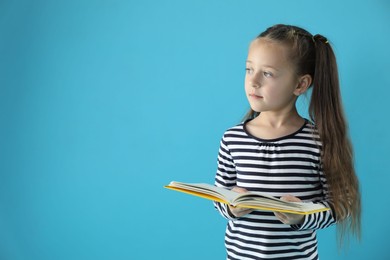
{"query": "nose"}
(255, 84)
(255, 81)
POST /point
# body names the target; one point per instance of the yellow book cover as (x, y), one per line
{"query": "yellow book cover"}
(255, 200)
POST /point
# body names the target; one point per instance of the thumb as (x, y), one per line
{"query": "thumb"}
(290, 198)
(239, 189)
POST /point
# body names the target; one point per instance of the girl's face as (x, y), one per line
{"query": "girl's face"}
(270, 81)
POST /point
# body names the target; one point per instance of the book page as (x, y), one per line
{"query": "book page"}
(227, 196)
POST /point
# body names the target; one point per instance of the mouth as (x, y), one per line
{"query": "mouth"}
(255, 96)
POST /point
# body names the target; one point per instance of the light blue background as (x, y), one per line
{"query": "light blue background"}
(104, 102)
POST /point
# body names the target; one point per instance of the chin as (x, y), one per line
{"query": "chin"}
(257, 109)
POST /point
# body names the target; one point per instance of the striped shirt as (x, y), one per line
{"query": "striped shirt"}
(277, 167)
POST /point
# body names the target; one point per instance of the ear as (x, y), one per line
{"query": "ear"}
(304, 82)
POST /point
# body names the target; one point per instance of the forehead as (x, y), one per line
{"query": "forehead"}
(263, 51)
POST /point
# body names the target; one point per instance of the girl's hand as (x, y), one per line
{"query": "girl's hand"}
(238, 211)
(289, 218)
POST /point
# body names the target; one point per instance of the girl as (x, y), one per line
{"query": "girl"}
(278, 152)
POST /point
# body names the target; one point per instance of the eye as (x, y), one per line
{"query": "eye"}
(249, 70)
(267, 74)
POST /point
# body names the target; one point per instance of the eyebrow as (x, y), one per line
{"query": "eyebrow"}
(268, 66)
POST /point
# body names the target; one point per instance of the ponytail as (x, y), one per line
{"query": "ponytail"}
(326, 111)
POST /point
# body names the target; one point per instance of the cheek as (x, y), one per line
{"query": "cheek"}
(247, 86)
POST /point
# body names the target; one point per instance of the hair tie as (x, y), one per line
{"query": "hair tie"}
(313, 37)
(321, 38)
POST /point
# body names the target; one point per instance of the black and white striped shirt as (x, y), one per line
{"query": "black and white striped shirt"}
(286, 165)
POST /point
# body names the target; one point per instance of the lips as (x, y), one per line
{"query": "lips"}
(255, 96)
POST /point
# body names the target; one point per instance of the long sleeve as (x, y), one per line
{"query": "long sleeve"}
(323, 219)
(225, 176)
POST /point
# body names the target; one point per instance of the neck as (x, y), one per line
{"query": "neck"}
(279, 119)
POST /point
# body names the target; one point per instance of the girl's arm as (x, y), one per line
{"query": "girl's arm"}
(225, 177)
(319, 220)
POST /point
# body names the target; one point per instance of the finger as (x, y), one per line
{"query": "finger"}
(239, 190)
(239, 209)
(239, 212)
(282, 217)
(244, 212)
(247, 210)
(290, 198)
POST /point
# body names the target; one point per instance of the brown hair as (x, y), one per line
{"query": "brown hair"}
(313, 55)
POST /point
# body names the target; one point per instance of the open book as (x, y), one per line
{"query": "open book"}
(255, 200)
